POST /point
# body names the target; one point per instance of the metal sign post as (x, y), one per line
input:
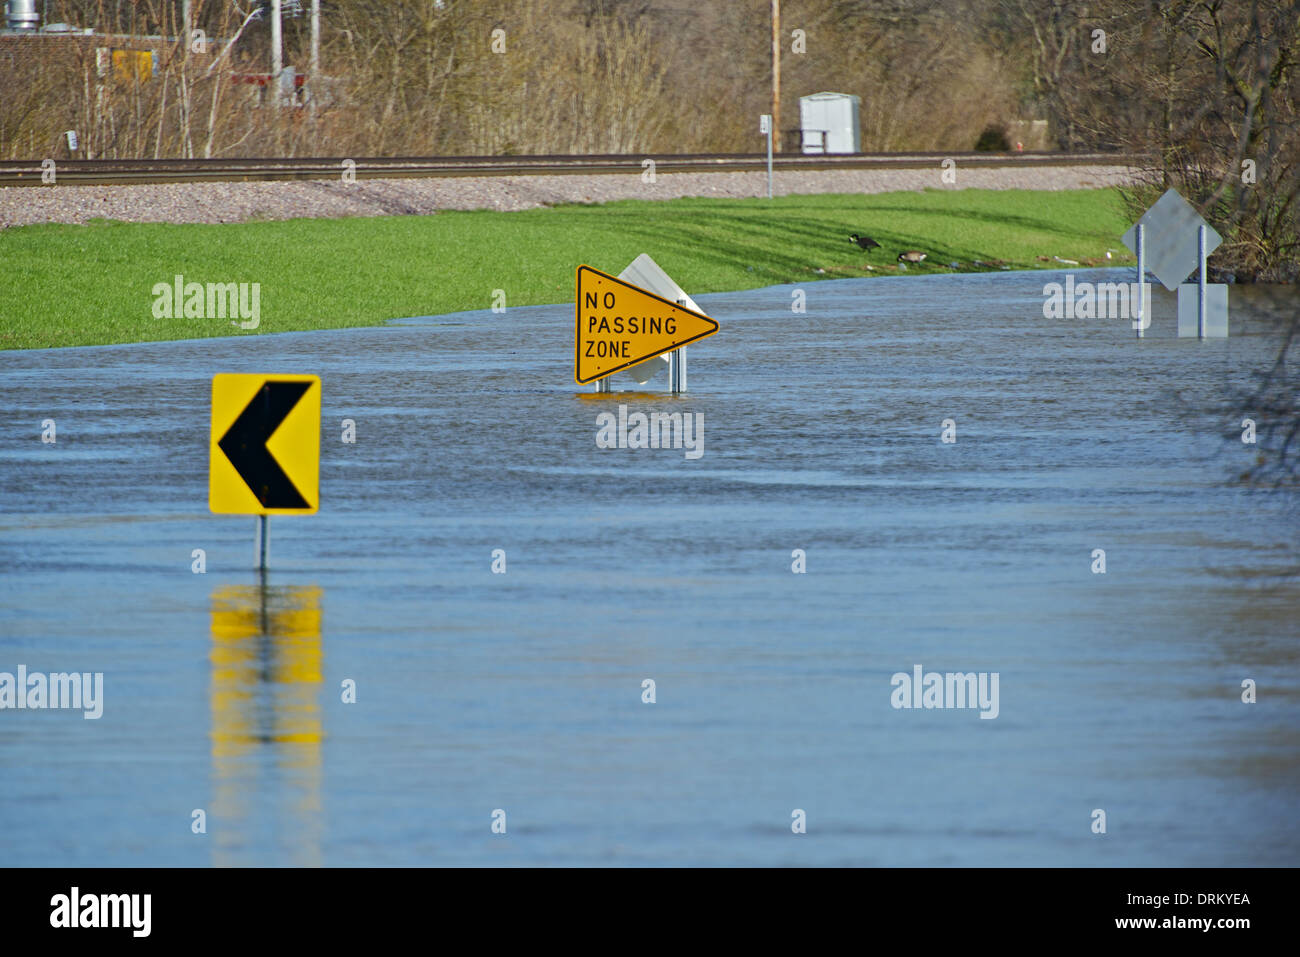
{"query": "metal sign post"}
(765, 126)
(1200, 282)
(1142, 279)
(677, 370)
(262, 541)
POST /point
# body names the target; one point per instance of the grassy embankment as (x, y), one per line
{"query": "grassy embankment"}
(89, 285)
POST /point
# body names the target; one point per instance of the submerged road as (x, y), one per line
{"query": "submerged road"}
(522, 689)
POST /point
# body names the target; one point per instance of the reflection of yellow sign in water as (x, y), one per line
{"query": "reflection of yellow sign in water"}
(267, 666)
(264, 450)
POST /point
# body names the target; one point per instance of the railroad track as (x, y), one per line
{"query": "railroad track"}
(124, 172)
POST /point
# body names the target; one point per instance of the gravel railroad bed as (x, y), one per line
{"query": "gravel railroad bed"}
(239, 202)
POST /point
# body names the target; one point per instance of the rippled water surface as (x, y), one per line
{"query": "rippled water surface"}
(523, 691)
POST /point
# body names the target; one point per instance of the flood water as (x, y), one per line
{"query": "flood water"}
(523, 691)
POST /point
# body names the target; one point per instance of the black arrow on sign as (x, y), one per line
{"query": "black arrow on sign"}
(245, 444)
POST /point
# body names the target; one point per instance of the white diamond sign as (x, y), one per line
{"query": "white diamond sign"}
(1169, 235)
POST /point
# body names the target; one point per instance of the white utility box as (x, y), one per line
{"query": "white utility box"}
(829, 123)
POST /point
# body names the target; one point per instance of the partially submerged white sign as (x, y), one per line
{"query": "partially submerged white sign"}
(646, 273)
(1169, 235)
(1216, 311)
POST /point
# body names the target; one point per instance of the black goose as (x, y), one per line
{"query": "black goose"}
(864, 242)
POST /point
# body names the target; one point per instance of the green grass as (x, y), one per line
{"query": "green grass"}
(89, 285)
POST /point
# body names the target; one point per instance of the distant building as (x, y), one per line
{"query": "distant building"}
(828, 123)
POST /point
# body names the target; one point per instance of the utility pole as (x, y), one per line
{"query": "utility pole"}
(277, 53)
(313, 81)
(776, 73)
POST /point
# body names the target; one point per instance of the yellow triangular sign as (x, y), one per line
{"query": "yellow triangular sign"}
(618, 325)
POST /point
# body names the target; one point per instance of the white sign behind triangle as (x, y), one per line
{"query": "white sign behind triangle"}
(646, 273)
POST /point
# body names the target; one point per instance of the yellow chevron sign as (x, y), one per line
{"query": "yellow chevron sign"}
(264, 447)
